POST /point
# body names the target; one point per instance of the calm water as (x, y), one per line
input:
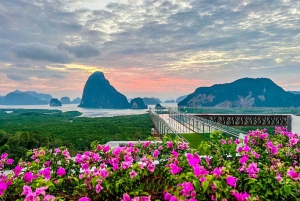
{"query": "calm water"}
(87, 112)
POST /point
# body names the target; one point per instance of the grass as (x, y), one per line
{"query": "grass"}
(194, 139)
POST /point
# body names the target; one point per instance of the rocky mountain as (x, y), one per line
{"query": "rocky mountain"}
(41, 96)
(54, 102)
(65, 100)
(21, 98)
(159, 106)
(151, 100)
(76, 100)
(137, 103)
(245, 92)
(98, 93)
(180, 98)
(169, 101)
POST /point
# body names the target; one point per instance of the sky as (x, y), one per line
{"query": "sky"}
(159, 48)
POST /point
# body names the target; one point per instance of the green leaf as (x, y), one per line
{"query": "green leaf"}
(196, 184)
(205, 185)
(287, 189)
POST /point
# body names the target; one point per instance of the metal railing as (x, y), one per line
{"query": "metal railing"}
(250, 110)
(197, 124)
(162, 126)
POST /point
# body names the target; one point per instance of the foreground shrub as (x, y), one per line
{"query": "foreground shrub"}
(258, 167)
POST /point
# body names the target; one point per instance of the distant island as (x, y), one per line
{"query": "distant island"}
(151, 100)
(245, 92)
(138, 103)
(169, 101)
(22, 98)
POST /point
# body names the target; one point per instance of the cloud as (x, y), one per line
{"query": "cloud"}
(17, 77)
(188, 39)
(40, 52)
(80, 51)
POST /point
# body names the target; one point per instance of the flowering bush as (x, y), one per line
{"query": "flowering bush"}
(263, 167)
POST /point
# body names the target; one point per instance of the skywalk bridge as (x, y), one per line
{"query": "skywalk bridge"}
(176, 122)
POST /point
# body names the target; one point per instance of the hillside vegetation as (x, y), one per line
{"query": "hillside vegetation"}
(26, 129)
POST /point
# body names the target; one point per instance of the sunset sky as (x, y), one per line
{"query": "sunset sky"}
(160, 48)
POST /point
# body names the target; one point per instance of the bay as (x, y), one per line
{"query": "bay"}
(88, 112)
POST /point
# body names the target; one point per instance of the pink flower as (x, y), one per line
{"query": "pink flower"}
(126, 197)
(175, 169)
(104, 173)
(237, 141)
(41, 191)
(133, 174)
(231, 181)
(84, 199)
(193, 160)
(61, 171)
(252, 170)
(98, 188)
(26, 190)
(155, 153)
(200, 171)
(175, 153)
(278, 177)
(241, 196)
(167, 196)
(244, 159)
(291, 173)
(46, 173)
(223, 141)
(173, 198)
(9, 161)
(151, 167)
(28, 177)
(49, 198)
(3, 187)
(170, 145)
(17, 170)
(217, 171)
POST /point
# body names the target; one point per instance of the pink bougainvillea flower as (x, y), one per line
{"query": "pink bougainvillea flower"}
(175, 153)
(84, 199)
(252, 170)
(17, 170)
(98, 188)
(9, 161)
(241, 196)
(28, 177)
(151, 167)
(167, 196)
(170, 145)
(173, 198)
(155, 153)
(49, 198)
(46, 173)
(192, 160)
(3, 187)
(291, 173)
(217, 171)
(244, 159)
(26, 190)
(133, 174)
(175, 169)
(126, 197)
(231, 181)
(61, 171)
(41, 191)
